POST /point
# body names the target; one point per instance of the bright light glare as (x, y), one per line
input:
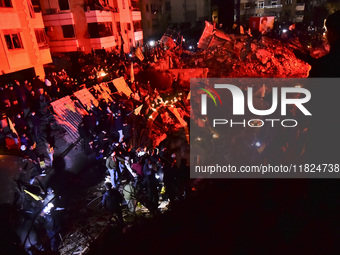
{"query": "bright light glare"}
(48, 208)
(152, 43)
(284, 30)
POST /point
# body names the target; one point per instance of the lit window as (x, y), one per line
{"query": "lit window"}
(137, 26)
(260, 5)
(68, 31)
(64, 5)
(5, 3)
(13, 41)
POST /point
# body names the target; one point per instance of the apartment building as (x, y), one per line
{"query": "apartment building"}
(155, 17)
(24, 49)
(86, 25)
(282, 10)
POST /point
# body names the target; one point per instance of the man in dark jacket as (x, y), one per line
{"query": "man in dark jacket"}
(112, 200)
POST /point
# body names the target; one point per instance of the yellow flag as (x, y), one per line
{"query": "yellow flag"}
(139, 54)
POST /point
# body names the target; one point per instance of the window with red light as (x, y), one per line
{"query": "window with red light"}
(13, 41)
(6, 3)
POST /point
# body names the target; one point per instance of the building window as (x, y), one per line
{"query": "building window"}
(260, 5)
(274, 2)
(63, 5)
(137, 25)
(68, 31)
(13, 41)
(41, 37)
(247, 5)
(154, 8)
(289, 1)
(98, 30)
(129, 26)
(135, 4)
(118, 27)
(36, 5)
(147, 7)
(5, 3)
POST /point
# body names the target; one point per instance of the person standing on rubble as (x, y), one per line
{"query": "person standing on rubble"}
(111, 201)
(112, 166)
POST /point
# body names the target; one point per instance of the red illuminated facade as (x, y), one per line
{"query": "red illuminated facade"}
(24, 46)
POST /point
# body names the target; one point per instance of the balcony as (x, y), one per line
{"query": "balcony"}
(136, 15)
(104, 42)
(58, 19)
(273, 6)
(300, 7)
(64, 46)
(138, 35)
(98, 16)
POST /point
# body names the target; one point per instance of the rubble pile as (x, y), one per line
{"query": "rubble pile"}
(235, 56)
(246, 57)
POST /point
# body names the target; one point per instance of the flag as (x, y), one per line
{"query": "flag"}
(139, 54)
(137, 110)
(132, 74)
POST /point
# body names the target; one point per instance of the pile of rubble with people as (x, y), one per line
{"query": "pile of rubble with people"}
(141, 139)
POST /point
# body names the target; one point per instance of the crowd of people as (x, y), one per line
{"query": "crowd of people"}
(113, 131)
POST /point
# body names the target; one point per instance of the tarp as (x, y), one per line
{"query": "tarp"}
(103, 92)
(121, 86)
(69, 116)
(86, 98)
